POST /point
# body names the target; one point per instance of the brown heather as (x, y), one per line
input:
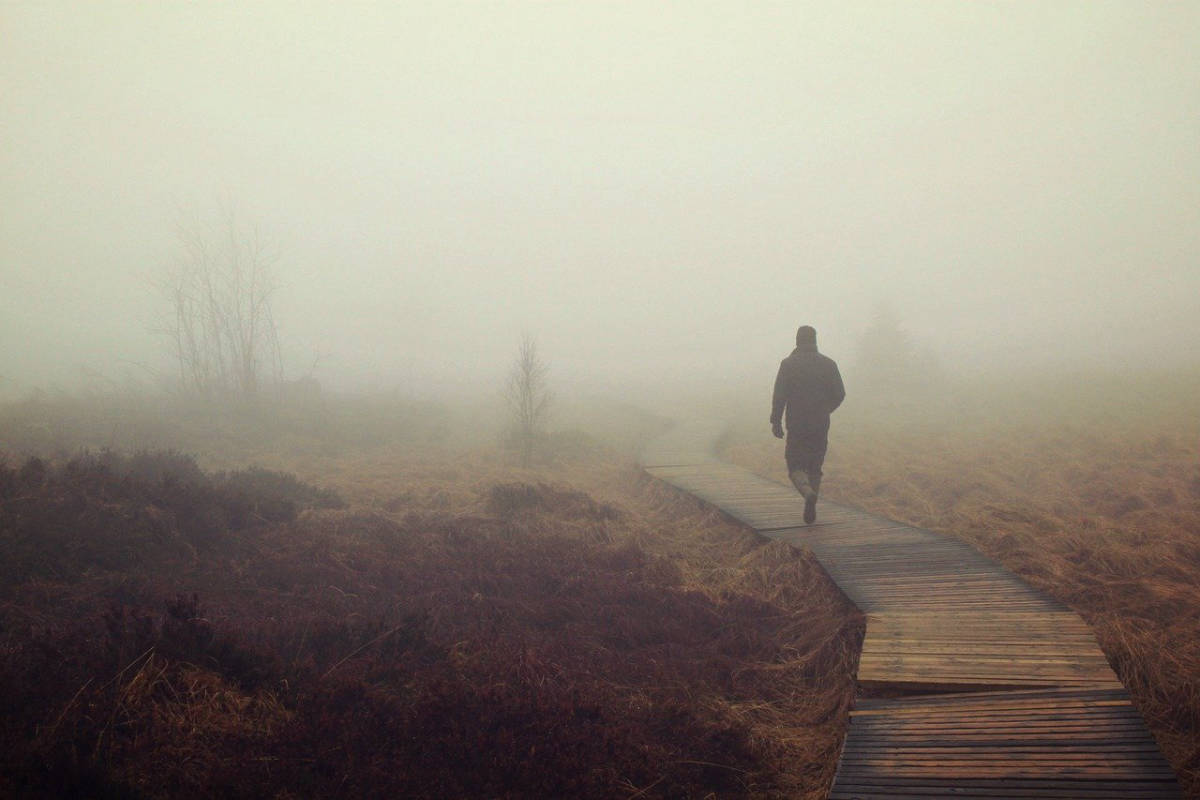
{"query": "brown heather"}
(465, 628)
(404, 618)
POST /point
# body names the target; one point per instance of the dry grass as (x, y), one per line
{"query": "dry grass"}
(1096, 503)
(464, 628)
(797, 710)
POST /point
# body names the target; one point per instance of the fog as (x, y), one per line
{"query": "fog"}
(660, 193)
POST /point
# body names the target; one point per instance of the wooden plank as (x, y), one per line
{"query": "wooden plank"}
(1078, 789)
(1033, 699)
(992, 739)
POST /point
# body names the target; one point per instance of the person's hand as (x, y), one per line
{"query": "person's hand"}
(777, 429)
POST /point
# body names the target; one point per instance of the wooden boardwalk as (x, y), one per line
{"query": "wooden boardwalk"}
(1005, 692)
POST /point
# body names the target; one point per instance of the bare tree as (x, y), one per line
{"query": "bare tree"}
(220, 328)
(528, 397)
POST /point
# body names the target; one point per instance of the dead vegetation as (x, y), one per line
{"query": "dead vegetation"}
(464, 627)
(1089, 492)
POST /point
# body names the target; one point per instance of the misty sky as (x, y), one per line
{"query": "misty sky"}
(654, 190)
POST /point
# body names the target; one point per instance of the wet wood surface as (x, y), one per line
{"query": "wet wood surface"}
(1005, 691)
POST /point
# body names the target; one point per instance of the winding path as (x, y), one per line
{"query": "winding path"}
(1003, 692)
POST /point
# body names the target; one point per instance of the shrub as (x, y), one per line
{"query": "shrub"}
(110, 511)
(512, 498)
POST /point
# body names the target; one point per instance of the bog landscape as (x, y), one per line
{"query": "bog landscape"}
(288, 604)
(352, 359)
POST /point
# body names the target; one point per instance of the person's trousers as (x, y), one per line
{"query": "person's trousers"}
(805, 451)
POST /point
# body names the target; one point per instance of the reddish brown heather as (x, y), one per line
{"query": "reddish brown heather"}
(464, 628)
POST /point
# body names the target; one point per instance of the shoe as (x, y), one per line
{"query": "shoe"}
(810, 508)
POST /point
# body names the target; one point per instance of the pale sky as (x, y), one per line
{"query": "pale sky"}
(653, 190)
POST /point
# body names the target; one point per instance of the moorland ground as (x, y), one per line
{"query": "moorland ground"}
(407, 617)
(384, 606)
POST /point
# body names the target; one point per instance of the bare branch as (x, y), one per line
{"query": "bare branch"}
(221, 329)
(528, 397)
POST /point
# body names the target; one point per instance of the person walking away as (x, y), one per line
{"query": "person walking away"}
(807, 390)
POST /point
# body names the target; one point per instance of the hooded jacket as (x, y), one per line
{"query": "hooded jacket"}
(809, 387)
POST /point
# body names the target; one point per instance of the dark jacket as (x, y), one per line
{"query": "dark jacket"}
(809, 386)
